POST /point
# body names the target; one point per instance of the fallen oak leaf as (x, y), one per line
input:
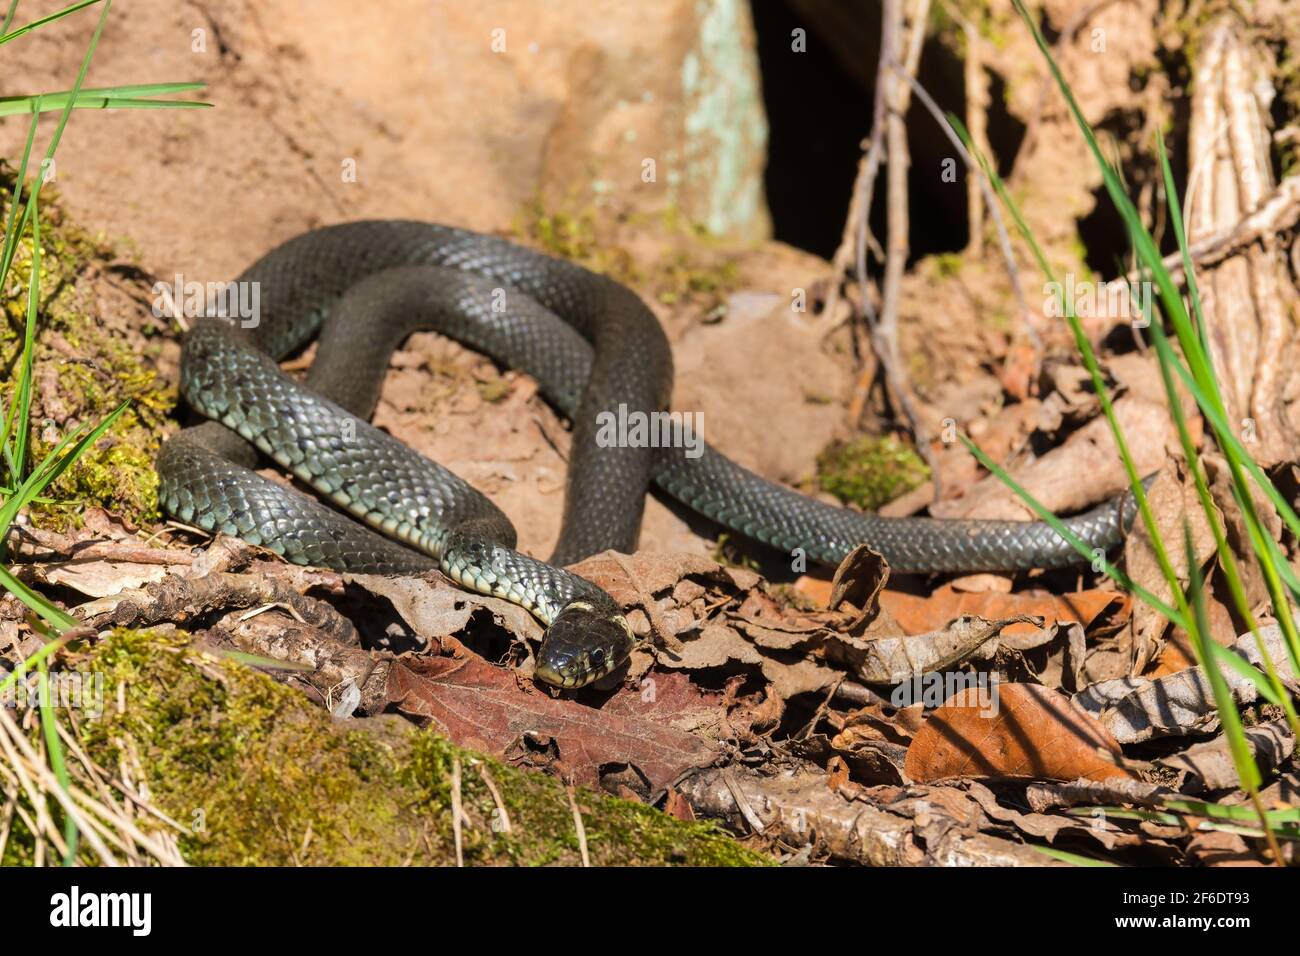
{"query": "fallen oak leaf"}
(1032, 732)
(858, 581)
(672, 698)
(484, 707)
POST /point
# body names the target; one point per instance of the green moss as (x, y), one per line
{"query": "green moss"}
(992, 24)
(262, 777)
(690, 268)
(493, 389)
(948, 264)
(575, 236)
(83, 370)
(684, 275)
(870, 471)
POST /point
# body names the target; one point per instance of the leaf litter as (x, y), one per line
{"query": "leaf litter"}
(971, 721)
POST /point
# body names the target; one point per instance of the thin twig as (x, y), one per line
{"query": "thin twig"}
(977, 175)
(578, 826)
(977, 100)
(821, 709)
(884, 331)
(746, 811)
(455, 810)
(496, 798)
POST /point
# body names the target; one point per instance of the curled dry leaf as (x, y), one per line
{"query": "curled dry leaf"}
(1031, 732)
(1170, 706)
(1136, 709)
(98, 579)
(1050, 826)
(1209, 765)
(892, 660)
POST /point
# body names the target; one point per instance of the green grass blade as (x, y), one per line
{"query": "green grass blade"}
(1274, 566)
(1223, 811)
(12, 230)
(1085, 551)
(41, 653)
(43, 21)
(1094, 371)
(49, 102)
(54, 747)
(114, 92)
(54, 465)
(42, 608)
(264, 663)
(1233, 730)
(1278, 828)
(76, 87)
(1142, 241)
(1065, 856)
(1272, 688)
(63, 120)
(23, 393)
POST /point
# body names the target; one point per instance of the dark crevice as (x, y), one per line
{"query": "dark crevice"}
(819, 105)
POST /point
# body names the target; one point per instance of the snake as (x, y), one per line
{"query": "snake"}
(595, 350)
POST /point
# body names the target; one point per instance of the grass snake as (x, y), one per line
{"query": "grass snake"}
(591, 345)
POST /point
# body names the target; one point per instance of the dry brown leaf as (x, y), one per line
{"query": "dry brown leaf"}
(675, 700)
(1209, 765)
(98, 579)
(892, 660)
(484, 707)
(916, 614)
(1035, 732)
(1139, 708)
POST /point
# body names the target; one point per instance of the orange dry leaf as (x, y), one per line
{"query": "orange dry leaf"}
(1029, 731)
(919, 615)
(816, 587)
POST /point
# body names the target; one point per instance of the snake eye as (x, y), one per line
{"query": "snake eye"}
(598, 656)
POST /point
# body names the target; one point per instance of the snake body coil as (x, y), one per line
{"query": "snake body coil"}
(592, 346)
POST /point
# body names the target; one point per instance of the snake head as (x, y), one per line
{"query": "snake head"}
(582, 645)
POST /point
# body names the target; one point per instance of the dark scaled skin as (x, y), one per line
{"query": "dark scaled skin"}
(591, 344)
